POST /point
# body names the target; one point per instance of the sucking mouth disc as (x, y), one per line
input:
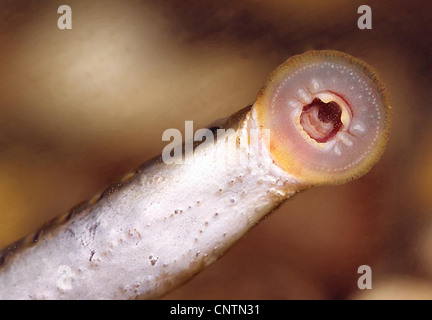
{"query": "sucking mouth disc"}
(328, 114)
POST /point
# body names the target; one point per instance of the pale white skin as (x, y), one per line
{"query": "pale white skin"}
(140, 242)
(167, 222)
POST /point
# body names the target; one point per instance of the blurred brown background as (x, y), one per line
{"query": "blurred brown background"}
(80, 107)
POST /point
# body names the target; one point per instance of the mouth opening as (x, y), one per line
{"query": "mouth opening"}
(321, 120)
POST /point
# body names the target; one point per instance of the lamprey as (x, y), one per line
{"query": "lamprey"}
(321, 118)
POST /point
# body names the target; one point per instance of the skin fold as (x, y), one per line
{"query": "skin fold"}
(321, 118)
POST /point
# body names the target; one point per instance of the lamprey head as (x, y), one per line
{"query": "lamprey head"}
(328, 116)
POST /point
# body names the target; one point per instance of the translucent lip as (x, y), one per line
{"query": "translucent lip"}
(313, 131)
(312, 122)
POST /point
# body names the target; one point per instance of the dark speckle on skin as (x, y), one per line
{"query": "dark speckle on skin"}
(92, 229)
(91, 255)
(153, 260)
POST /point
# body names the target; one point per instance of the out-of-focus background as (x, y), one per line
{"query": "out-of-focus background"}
(81, 107)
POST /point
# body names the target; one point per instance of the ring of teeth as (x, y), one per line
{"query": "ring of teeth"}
(347, 133)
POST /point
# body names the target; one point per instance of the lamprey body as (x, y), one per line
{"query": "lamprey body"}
(321, 118)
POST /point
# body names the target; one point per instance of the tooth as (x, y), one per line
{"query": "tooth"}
(294, 104)
(329, 145)
(315, 84)
(304, 96)
(346, 140)
(337, 150)
(358, 128)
